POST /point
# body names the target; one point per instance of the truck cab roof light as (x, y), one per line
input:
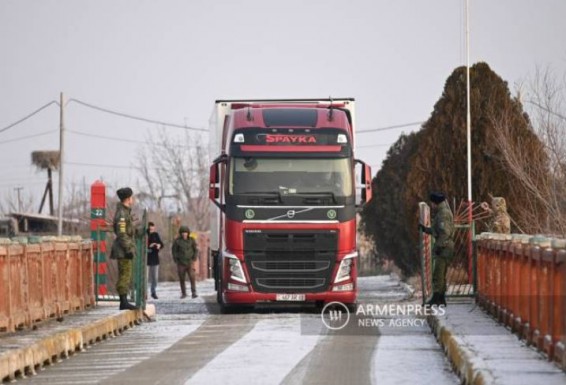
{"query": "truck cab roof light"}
(342, 138)
(239, 138)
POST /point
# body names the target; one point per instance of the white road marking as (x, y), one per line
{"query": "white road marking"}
(264, 356)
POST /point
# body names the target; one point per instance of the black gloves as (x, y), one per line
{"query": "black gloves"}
(129, 255)
(422, 228)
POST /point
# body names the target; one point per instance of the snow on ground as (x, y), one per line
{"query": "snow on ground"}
(265, 355)
(387, 288)
(410, 359)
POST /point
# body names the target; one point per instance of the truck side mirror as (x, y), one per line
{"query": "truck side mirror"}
(214, 178)
(363, 184)
(366, 180)
(214, 183)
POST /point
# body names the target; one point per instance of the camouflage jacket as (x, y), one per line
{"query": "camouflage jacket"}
(125, 233)
(443, 226)
(184, 250)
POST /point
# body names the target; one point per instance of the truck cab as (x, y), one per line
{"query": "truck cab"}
(285, 192)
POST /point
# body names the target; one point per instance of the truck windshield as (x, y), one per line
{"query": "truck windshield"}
(291, 176)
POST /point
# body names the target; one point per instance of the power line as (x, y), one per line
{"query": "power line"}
(28, 137)
(375, 145)
(22, 184)
(29, 178)
(124, 115)
(109, 166)
(28, 116)
(123, 166)
(546, 109)
(82, 133)
(390, 127)
(100, 165)
(21, 166)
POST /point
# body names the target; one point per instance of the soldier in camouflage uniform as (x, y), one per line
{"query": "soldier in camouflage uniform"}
(442, 230)
(124, 247)
(185, 254)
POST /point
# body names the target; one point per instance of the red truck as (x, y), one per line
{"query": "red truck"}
(286, 187)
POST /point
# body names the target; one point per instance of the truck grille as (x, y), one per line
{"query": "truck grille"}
(290, 262)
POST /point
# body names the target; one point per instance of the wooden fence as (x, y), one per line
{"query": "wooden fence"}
(42, 281)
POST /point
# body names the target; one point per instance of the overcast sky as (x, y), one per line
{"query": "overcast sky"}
(169, 60)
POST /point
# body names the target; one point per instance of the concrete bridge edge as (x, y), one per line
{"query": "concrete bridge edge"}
(25, 361)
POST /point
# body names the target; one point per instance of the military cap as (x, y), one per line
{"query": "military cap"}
(184, 229)
(124, 193)
(437, 197)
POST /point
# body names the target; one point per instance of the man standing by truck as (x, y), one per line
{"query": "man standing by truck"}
(124, 246)
(185, 254)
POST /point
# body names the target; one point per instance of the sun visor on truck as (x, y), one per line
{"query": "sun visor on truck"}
(281, 117)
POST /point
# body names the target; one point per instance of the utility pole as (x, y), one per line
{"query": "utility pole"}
(469, 139)
(18, 190)
(61, 161)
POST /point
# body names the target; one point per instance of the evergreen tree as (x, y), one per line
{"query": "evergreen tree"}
(434, 159)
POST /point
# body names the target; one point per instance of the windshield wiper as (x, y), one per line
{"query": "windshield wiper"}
(318, 194)
(273, 193)
(272, 197)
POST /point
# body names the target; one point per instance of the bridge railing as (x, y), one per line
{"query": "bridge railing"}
(522, 282)
(44, 280)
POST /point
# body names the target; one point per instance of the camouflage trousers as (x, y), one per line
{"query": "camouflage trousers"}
(442, 258)
(183, 271)
(124, 276)
(439, 274)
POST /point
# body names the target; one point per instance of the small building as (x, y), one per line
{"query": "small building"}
(35, 224)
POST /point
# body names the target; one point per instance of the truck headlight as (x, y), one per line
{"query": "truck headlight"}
(236, 271)
(345, 268)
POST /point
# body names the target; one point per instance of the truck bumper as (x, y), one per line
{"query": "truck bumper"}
(253, 298)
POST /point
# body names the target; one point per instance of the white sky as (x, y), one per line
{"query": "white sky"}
(169, 60)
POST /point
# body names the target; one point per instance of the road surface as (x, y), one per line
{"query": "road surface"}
(191, 343)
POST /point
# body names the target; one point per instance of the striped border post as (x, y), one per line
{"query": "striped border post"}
(98, 221)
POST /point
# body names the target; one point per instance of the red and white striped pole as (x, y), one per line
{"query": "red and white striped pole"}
(97, 222)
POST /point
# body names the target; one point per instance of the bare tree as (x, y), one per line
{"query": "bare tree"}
(545, 178)
(177, 168)
(77, 206)
(10, 204)
(547, 96)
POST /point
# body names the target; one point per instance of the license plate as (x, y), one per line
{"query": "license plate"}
(290, 297)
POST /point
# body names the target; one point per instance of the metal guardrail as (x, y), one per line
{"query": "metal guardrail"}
(42, 281)
(140, 265)
(522, 283)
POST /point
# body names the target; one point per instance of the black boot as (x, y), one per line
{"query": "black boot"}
(442, 299)
(434, 300)
(125, 305)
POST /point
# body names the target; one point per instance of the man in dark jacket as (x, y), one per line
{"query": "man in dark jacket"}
(154, 244)
(124, 246)
(442, 230)
(185, 254)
